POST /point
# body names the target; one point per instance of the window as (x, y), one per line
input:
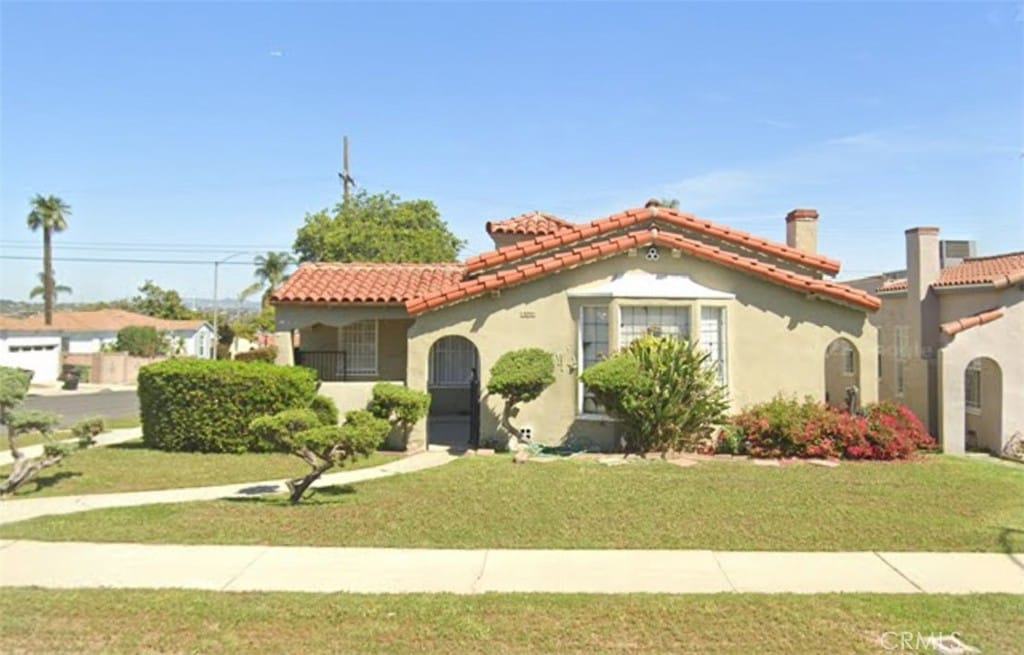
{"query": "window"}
(657, 321)
(712, 338)
(902, 348)
(359, 343)
(849, 360)
(972, 386)
(25, 349)
(593, 348)
(452, 360)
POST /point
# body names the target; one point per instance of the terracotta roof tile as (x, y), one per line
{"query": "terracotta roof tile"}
(535, 223)
(635, 217)
(620, 243)
(997, 270)
(952, 328)
(100, 320)
(362, 282)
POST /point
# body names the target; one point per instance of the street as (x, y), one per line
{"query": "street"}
(76, 406)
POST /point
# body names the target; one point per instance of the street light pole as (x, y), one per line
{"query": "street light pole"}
(216, 268)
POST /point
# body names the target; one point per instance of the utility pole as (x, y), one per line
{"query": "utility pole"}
(346, 178)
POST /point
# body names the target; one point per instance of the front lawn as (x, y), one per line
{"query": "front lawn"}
(936, 504)
(133, 467)
(108, 621)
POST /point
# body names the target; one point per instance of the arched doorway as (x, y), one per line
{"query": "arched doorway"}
(983, 405)
(842, 372)
(453, 373)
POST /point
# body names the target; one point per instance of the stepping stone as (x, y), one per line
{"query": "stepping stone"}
(828, 463)
(765, 462)
(683, 461)
(612, 461)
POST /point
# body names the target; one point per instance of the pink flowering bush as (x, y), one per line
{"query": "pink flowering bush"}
(784, 427)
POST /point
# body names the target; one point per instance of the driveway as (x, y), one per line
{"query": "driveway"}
(75, 406)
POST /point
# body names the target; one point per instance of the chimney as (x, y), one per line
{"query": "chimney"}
(802, 230)
(922, 320)
(923, 261)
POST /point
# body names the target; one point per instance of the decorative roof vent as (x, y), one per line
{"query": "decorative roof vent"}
(652, 254)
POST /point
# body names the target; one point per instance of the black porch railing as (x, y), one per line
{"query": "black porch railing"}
(330, 365)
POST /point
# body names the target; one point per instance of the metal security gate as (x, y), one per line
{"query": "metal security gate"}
(474, 410)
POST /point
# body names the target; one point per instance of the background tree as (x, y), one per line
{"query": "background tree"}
(49, 214)
(41, 289)
(141, 341)
(378, 228)
(671, 203)
(271, 272)
(160, 303)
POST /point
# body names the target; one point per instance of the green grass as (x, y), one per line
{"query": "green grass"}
(109, 621)
(133, 467)
(37, 438)
(936, 504)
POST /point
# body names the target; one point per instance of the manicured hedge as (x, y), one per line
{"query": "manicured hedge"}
(207, 406)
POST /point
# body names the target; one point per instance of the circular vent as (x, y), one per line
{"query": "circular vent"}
(652, 254)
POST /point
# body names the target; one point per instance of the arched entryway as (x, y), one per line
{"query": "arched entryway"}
(983, 405)
(453, 373)
(842, 372)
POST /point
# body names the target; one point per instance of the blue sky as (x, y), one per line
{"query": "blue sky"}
(195, 131)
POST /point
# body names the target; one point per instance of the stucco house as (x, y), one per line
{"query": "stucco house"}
(767, 312)
(951, 340)
(30, 343)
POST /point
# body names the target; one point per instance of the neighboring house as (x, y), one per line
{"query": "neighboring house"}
(951, 340)
(22, 341)
(765, 311)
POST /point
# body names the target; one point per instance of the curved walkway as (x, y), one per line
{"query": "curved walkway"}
(12, 511)
(397, 570)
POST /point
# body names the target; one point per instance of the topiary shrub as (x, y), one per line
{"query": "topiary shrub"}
(87, 428)
(207, 406)
(401, 406)
(663, 390)
(520, 376)
(267, 355)
(325, 410)
(321, 446)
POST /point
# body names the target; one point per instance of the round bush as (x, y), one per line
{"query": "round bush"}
(207, 406)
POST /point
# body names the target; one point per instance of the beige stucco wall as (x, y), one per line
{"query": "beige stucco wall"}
(1001, 341)
(776, 340)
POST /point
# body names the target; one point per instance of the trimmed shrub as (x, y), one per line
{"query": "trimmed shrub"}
(207, 406)
(784, 427)
(87, 428)
(267, 355)
(520, 376)
(663, 390)
(141, 341)
(278, 431)
(325, 410)
(400, 406)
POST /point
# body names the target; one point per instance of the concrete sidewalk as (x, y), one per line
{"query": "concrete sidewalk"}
(386, 570)
(12, 511)
(106, 439)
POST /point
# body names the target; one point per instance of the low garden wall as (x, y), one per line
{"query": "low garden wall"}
(109, 368)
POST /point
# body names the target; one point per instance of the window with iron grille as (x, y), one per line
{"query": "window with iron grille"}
(452, 360)
(658, 321)
(359, 343)
(972, 386)
(712, 338)
(593, 349)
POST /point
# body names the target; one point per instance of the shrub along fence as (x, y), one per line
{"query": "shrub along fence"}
(207, 406)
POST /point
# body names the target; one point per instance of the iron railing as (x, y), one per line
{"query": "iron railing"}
(330, 365)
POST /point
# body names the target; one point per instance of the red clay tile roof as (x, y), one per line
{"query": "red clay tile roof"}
(998, 270)
(536, 223)
(101, 320)
(567, 258)
(638, 217)
(953, 328)
(357, 283)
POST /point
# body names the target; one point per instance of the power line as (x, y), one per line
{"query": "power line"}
(103, 260)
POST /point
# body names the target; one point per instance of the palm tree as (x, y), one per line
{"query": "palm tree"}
(270, 273)
(51, 214)
(41, 289)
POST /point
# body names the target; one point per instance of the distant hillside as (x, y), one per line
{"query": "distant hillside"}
(20, 308)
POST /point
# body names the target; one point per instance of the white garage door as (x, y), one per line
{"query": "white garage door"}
(43, 360)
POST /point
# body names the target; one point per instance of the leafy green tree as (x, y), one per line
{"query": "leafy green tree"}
(160, 303)
(271, 272)
(41, 289)
(141, 341)
(378, 228)
(49, 214)
(671, 203)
